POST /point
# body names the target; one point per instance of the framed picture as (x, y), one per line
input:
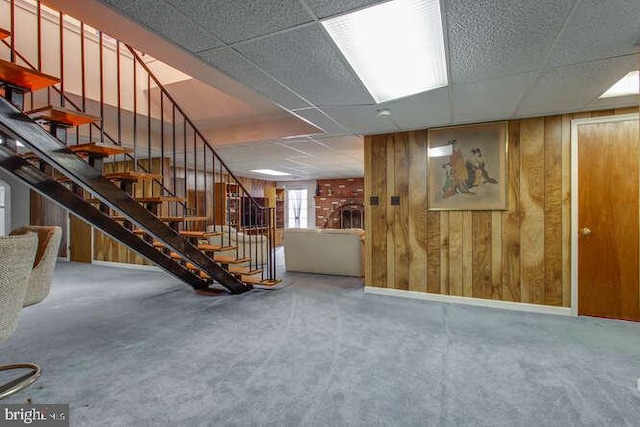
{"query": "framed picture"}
(468, 167)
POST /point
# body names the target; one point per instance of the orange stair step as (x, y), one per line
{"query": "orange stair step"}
(200, 234)
(132, 176)
(244, 271)
(62, 115)
(25, 78)
(216, 248)
(99, 149)
(229, 259)
(4, 33)
(253, 280)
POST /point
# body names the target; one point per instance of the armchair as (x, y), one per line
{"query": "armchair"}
(17, 254)
(45, 262)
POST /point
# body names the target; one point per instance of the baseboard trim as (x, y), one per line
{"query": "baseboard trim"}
(126, 265)
(504, 305)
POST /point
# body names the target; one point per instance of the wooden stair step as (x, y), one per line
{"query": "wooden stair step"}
(253, 280)
(54, 114)
(200, 234)
(25, 78)
(132, 176)
(99, 149)
(166, 218)
(244, 271)
(223, 259)
(154, 199)
(4, 33)
(216, 248)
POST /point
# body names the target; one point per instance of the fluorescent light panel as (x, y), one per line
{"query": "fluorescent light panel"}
(269, 172)
(396, 48)
(628, 85)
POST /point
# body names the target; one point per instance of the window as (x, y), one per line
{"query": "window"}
(297, 208)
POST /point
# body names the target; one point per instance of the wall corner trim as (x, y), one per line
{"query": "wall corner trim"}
(504, 305)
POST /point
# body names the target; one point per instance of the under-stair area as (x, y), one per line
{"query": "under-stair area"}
(110, 145)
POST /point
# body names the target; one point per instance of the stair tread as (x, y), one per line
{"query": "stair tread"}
(4, 33)
(52, 113)
(216, 248)
(132, 176)
(201, 234)
(159, 199)
(244, 270)
(99, 148)
(25, 78)
(252, 280)
(166, 218)
(229, 259)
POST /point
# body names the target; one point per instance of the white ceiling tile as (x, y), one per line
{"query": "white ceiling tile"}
(617, 102)
(165, 20)
(420, 111)
(490, 99)
(574, 87)
(490, 38)
(319, 119)
(234, 65)
(308, 62)
(234, 20)
(599, 29)
(325, 8)
(362, 119)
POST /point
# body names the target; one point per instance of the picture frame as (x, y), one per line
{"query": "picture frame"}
(467, 167)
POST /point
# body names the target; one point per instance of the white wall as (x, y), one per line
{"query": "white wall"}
(311, 202)
(18, 207)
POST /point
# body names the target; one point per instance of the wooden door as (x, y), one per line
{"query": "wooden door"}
(608, 220)
(79, 240)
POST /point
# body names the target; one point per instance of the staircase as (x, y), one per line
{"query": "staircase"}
(96, 157)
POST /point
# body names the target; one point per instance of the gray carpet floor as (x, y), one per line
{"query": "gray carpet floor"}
(135, 348)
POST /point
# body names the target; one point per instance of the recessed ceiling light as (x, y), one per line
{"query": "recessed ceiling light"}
(269, 172)
(628, 85)
(396, 48)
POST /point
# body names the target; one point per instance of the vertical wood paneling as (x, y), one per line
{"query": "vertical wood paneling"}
(434, 256)
(566, 210)
(553, 210)
(532, 201)
(368, 217)
(378, 229)
(391, 210)
(402, 250)
(467, 254)
(45, 212)
(419, 228)
(511, 221)
(456, 286)
(521, 254)
(496, 255)
(481, 255)
(445, 257)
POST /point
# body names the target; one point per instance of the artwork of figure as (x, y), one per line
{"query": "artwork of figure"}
(463, 174)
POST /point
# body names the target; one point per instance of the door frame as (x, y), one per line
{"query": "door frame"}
(574, 194)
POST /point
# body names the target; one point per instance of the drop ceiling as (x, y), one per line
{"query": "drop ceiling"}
(506, 59)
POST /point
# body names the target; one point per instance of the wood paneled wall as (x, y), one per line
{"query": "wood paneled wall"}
(521, 254)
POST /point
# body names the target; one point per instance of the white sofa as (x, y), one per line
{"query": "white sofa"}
(255, 247)
(325, 251)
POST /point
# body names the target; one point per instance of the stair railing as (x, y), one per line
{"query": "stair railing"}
(137, 111)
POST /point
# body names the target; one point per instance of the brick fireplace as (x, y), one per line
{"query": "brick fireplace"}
(340, 203)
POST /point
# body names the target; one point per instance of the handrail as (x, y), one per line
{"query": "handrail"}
(188, 120)
(99, 128)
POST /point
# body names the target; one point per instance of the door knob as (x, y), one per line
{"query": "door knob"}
(586, 231)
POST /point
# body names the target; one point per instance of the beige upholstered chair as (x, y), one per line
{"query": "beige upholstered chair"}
(17, 254)
(45, 262)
